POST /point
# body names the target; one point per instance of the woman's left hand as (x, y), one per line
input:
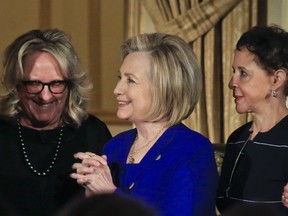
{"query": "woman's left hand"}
(93, 173)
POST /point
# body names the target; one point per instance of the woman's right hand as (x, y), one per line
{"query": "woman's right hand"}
(93, 173)
(285, 196)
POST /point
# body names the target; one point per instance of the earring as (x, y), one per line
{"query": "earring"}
(274, 93)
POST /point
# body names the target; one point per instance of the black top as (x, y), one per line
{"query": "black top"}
(34, 195)
(261, 171)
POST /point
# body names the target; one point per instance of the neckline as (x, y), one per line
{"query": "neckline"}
(280, 122)
(25, 152)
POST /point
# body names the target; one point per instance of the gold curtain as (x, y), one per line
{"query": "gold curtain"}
(212, 27)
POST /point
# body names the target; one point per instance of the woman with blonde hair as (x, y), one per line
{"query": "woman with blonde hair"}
(43, 122)
(160, 162)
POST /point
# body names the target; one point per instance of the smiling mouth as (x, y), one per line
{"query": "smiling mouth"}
(123, 102)
(44, 105)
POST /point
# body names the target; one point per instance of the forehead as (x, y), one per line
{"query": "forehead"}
(244, 57)
(245, 54)
(136, 62)
(41, 65)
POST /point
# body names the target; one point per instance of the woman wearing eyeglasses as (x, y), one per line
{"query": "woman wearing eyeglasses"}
(43, 122)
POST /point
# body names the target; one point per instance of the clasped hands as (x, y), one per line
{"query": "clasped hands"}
(93, 173)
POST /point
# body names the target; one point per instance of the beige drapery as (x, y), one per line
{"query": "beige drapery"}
(212, 27)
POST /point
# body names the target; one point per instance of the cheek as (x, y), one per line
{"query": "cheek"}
(25, 98)
(62, 98)
(147, 102)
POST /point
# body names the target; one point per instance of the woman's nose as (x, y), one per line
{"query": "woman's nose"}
(119, 89)
(45, 94)
(232, 84)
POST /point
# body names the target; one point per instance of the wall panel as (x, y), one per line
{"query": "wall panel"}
(97, 28)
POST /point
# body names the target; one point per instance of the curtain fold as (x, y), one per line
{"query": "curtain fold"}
(212, 28)
(232, 28)
(189, 21)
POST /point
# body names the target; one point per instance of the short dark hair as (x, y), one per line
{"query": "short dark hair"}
(269, 44)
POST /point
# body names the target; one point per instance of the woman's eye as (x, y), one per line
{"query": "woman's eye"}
(130, 80)
(243, 73)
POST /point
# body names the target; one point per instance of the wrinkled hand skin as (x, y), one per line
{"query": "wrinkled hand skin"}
(93, 173)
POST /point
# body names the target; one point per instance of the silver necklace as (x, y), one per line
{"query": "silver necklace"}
(26, 158)
(235, 164)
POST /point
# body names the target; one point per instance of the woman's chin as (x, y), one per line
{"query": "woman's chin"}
(241, 111)
(122, 116)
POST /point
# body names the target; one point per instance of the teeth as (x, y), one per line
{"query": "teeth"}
(122, 102)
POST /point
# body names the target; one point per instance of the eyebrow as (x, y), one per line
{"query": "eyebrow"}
(240, 67)
(127, 74)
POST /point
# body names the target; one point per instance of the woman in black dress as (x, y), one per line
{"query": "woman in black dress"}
(255, 165)
(44, 122)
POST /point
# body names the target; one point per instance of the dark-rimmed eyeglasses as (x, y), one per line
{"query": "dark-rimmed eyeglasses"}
(36, 86)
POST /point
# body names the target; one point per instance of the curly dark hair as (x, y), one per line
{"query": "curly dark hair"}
(269, 44)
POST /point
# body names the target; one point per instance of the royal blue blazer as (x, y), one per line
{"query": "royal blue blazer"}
(177, 176)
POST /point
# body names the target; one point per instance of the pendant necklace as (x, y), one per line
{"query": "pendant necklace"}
(25, 154)
(227, 191)
(134, 151)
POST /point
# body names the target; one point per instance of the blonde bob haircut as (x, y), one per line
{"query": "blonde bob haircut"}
(58, 44)
(176, 79)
